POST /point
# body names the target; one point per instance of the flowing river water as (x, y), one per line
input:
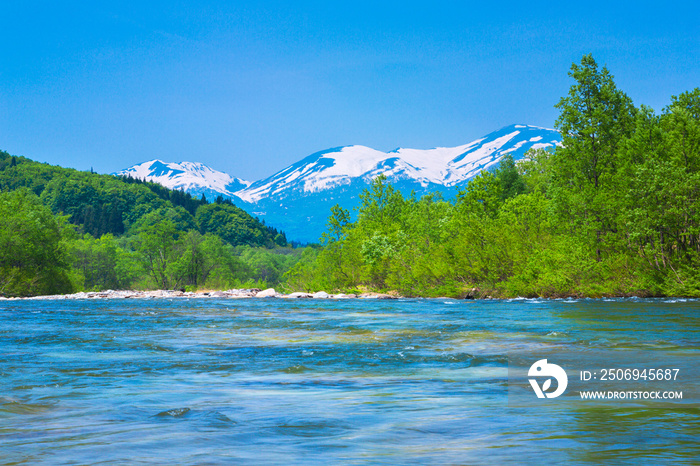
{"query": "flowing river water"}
(271, 381)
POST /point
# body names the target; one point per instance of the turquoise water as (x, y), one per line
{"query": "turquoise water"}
(326, 382)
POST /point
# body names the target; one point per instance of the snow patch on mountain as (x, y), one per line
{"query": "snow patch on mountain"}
(192, 177)
(446, 166)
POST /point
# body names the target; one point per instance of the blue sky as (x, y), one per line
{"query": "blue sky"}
(251, 87)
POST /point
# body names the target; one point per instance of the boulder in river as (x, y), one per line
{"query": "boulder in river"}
(268, 293)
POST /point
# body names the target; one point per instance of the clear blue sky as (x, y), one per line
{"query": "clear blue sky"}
(250, 87)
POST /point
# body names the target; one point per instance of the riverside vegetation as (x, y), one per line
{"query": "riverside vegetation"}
(64, 230)
(613, 211)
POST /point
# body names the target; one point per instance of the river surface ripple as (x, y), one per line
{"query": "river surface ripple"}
(272, 381)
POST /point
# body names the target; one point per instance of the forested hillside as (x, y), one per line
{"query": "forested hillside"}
(65, 230)
(614, 211)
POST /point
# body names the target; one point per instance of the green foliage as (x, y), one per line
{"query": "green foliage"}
(268, 266)
(206, 261)
(32, 254)
(235, 226)
(156, 241)
(102, 264)
(381, 203)
(509, 179)
(125, 233)
(337, 222)
(483, 196)
(613, 211)
(595, 120)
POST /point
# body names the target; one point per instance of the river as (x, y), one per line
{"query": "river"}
(272, 381)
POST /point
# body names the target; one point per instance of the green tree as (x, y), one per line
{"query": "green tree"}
(483, 195)
(156, 241)
(199, 257)
(511, 181)
(96, 260)
(337, 223)
(381, 203)
(596, 117)
(32, 253)
(662, 186)
(233, 225)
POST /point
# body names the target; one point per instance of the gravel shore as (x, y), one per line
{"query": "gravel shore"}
(229, 294)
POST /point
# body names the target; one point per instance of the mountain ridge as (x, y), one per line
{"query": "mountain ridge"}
(195, 178)
(337, 175)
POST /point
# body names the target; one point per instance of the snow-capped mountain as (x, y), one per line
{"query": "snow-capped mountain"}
(192, 177)
(298, 198)
(444, 166)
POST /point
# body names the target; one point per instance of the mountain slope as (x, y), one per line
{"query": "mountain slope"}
(192, 177)
(444, 166)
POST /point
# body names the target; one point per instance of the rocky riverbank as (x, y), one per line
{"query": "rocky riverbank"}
(227, 294)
